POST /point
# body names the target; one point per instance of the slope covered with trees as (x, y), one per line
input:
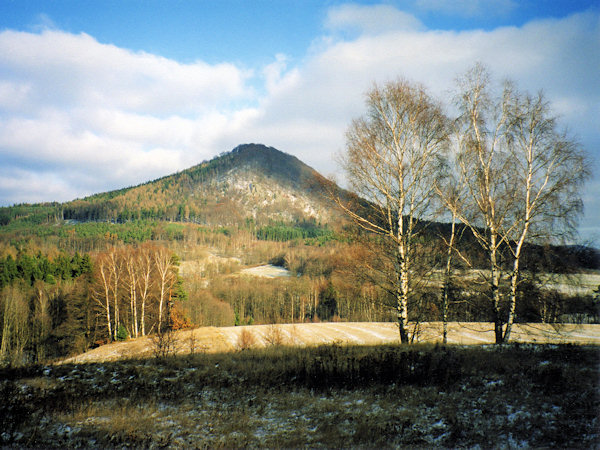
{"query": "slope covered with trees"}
(251, 181)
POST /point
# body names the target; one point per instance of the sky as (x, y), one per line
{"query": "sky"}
(100, 95)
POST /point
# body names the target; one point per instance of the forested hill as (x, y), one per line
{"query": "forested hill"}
(250, 182)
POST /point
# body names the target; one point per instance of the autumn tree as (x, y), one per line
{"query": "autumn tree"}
(41, 320)
(16, 332)
(391, 159)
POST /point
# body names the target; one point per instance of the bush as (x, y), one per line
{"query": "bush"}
(164, 344)
(246, 340)
(274, 336)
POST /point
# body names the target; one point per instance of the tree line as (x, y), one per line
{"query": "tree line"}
(304, 230)
(53, 306)
(39, 267)
(40, 320)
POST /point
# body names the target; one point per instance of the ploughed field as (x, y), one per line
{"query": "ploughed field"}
(226, 339)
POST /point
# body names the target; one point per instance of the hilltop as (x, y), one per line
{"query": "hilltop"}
(252, 181)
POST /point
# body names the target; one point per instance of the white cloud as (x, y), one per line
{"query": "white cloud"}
(69, 104)
(375, 19)
(275, 76)
(23, 185)
(468, 8)
(69, 69)
(559, 56)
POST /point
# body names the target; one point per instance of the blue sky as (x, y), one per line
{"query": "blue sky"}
(249, 32)
(97, 95)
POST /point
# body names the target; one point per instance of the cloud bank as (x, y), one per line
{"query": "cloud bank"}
(78, 116)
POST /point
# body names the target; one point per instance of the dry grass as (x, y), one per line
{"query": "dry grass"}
(327, 396)
(246, 340)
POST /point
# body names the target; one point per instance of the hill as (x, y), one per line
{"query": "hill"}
(251, 182)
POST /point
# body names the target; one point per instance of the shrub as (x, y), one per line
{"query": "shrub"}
(164, 344)
(246, 340)
(274, 335)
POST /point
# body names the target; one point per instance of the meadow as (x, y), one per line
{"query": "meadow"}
(332, 396)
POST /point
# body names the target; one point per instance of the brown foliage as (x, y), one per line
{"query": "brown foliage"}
(246, 340)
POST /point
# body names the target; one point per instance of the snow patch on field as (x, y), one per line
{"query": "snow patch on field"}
(266, 271)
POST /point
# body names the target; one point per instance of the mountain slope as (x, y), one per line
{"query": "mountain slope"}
(250, 182)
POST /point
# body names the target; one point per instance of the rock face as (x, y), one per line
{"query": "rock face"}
(269, 184)
(251, 182)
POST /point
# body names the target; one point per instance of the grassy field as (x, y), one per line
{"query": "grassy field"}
(522, 395)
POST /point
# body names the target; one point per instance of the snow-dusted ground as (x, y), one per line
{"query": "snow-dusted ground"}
(503, 397)
(266, 271)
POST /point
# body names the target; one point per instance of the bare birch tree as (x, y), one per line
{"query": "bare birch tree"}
(550, 169)
(391, 159)
(145, 267)
(522, 178)
(131, 284)
(102, 293)
(163, 261)
(115, 268)
(487, 170)
(450, 243)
